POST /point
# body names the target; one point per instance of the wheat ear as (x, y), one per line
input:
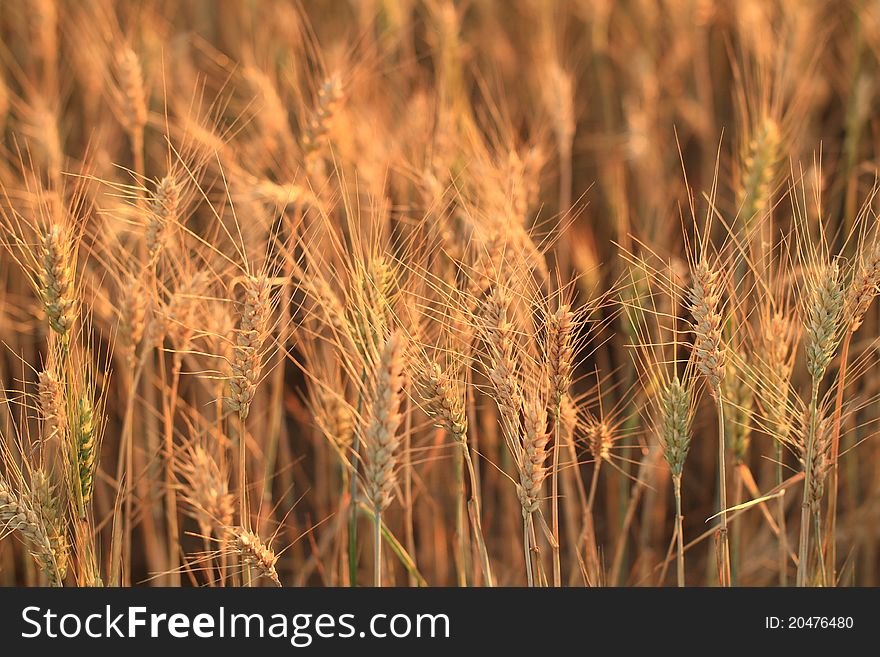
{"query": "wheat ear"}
(253, 325)
(162, 216)
(131, 83)
(256, 554)
(85, 446)
(17, 514)
(46, 506)
(205, 490)
(443, 403)
(318, 125)
(50, 392)
(56, 281)
(675, 439)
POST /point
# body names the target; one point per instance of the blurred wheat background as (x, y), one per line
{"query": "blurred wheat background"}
(422, 292)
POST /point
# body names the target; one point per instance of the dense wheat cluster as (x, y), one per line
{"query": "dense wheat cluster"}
(424, 292)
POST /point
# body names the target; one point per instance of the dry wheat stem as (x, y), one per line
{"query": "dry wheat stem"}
(861, 293)
(559, 330)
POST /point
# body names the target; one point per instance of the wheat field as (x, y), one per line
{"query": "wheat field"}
(435, 293)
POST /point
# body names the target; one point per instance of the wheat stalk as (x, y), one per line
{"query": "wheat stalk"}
(823, 316)
(774, 390)
(823, 306)
(381, 440)
(860, 294)
(704, 296)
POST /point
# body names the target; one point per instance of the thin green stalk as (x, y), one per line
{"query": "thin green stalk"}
(377, 547)
(527, 521)
(804, 545)
(242, 491)
(822, 572)
(783, 536)
(631, 506)
(679, 539)
(476, 516)
(396, 547)
(460, 526)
